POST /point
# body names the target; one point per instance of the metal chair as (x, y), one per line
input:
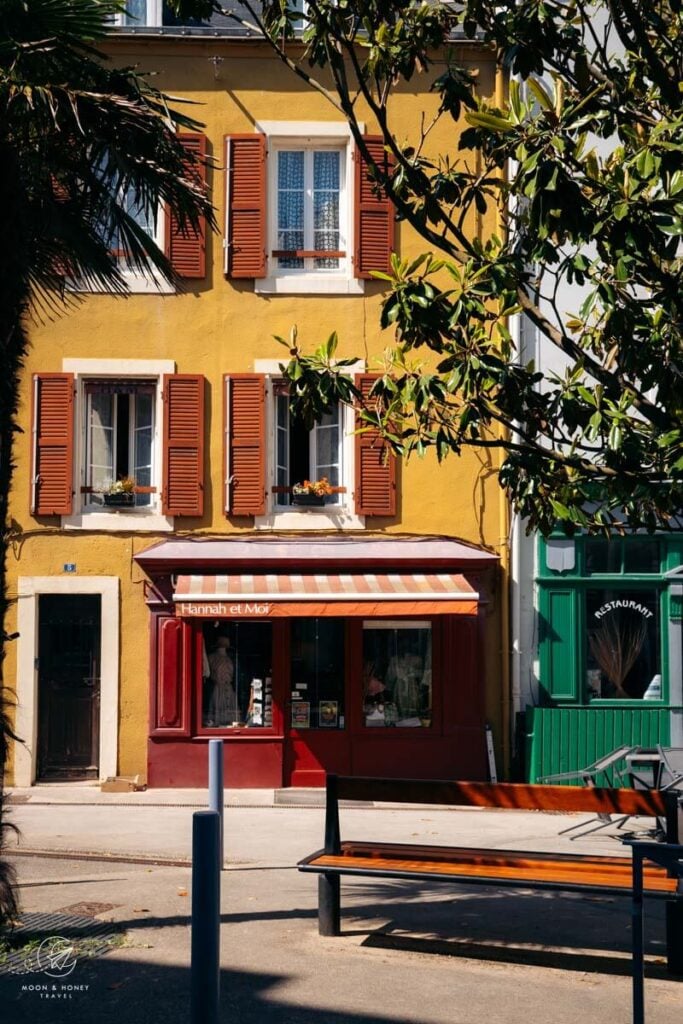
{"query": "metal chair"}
(588, 775)
(659, 768)
(671, 774)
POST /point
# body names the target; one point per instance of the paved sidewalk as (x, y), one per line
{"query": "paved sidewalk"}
(409, 952)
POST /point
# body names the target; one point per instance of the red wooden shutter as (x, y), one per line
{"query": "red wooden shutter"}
(186, 249)
(245, 221)
(53, 444)
(183, 455)
(170, 711)
(375, 466)
(245, 404)
(373, 213)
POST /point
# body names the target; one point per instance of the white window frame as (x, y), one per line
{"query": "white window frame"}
(132, 440)
(313, 441)
(153, 18)
(310, 135)
(309, 269)
(138, 282)
(85, 516)
(325, 517)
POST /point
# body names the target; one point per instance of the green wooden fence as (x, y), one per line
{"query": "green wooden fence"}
(568, 739)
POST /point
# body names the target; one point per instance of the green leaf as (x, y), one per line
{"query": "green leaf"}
(492, 122)
(540, 94)
(621, 270)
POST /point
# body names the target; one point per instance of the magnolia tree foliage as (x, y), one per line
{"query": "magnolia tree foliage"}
(585, 161)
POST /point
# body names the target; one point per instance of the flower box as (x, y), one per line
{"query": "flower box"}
(123, 499)
(308, 499)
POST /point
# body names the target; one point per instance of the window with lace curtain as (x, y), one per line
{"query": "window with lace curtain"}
(311, 208)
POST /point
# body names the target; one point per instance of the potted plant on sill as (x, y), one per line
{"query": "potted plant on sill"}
(311, 492)
(121, 494)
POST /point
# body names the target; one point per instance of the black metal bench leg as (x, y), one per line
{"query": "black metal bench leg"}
(674, 936)
(329, 905)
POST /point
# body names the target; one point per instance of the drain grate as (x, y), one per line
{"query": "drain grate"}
(85, 936)
(88, 909)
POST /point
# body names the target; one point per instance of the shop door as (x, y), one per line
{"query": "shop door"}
(317, 726)
(68, 686)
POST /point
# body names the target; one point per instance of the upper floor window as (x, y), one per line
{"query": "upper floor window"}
(119, 444)
(109, 440)
(303, 213)
(185, 249)
(310, 211)
(270, 455)
(152, 14)
(302, 455)
(148, 220)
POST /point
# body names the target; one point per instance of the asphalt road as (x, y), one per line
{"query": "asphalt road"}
(432, 954)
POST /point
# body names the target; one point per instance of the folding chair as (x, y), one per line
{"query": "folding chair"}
(664, 772)
(588, 776)
(671, 774)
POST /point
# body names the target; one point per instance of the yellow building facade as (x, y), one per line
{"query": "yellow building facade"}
(362, 634)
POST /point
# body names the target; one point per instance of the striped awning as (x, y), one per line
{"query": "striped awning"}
(285, 594)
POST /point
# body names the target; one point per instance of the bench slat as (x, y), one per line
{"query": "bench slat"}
(594, 799)
(529, 873)
(458, 854)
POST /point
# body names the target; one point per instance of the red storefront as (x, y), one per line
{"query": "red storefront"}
(355, 656)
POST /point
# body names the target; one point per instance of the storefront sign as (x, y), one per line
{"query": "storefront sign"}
(339, 609)
(630, 605)
(222, 609)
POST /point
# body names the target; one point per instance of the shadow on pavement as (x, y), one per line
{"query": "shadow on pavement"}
(122, 990)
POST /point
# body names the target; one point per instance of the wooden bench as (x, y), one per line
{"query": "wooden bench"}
(581, 873)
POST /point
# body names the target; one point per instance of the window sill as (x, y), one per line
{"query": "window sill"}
(310, 519)
(125, 521)
(289, 284)
(137, 284)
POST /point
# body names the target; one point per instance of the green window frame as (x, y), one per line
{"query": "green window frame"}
(618, 591)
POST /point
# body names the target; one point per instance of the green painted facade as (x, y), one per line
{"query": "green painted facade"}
(574, 721)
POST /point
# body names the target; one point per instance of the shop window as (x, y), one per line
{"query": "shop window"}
(237, 677)
(397, 673)
(301, 455)
(317, 673)
(623, 649)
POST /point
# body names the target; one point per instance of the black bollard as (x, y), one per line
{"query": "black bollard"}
(206, 900)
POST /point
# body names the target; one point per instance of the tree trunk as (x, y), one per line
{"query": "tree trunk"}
(14, 299)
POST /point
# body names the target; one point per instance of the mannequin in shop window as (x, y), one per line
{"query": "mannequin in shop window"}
(404, 676)
(222, 708)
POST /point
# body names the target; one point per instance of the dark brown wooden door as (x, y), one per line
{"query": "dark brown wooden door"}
(69, 685)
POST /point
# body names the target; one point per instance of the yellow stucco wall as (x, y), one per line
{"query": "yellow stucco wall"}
(222, 326)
